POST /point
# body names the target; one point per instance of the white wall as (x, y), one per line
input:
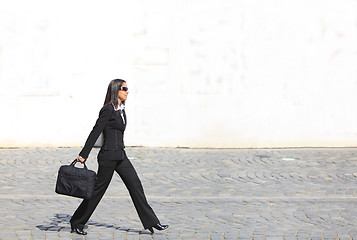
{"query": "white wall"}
(201, 73)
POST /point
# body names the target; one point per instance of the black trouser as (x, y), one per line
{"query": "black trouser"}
(131, 180)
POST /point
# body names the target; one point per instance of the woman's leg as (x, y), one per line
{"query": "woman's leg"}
(87, 207)
(131, 180)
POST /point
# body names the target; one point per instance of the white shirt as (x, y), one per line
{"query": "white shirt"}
(121, 108)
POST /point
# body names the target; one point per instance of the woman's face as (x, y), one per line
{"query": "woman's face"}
(123, 95)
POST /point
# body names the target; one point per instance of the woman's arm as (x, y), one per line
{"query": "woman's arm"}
(104, 116)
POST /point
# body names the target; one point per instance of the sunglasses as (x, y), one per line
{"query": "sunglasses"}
(125, 89)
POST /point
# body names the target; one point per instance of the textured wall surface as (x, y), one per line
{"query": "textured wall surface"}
(213, 73)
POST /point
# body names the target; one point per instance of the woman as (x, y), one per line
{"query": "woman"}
(112, 157)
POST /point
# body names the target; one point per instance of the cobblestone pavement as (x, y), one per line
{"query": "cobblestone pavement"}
(200, 193)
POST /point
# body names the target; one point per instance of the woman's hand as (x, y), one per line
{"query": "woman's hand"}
(80, 159)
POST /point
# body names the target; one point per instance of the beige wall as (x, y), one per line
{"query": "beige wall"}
(219, 73)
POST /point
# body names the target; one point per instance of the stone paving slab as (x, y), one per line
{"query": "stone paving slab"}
(201, 193)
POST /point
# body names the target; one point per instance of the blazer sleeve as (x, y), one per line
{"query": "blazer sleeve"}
(104, 116)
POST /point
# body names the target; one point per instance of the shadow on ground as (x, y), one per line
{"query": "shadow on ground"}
(60, 222)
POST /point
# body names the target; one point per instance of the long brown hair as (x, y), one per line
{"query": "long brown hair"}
(112, 92)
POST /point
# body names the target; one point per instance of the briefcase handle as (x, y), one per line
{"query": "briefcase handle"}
(75, 161)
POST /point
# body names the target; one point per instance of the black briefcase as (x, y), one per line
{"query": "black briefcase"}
(75, 182)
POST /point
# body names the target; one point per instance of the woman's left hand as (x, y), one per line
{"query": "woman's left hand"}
(80, 159)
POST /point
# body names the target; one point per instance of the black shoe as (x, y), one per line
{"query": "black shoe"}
(159, 227)
(77, 230)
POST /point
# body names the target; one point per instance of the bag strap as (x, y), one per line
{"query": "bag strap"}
(74, 163)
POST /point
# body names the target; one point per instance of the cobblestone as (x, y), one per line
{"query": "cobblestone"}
(200, 193)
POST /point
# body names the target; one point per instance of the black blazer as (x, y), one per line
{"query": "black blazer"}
(111, 124)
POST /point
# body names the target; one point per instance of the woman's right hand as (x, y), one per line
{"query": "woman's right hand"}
(80, 159)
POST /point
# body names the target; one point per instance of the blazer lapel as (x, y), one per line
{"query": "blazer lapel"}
(124, 117)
